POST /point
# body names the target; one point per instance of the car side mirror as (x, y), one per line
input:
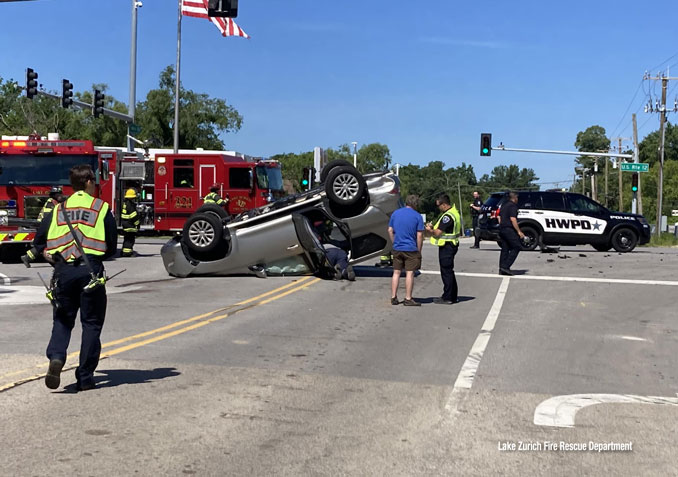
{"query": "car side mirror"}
(251, 179)
(104, 170)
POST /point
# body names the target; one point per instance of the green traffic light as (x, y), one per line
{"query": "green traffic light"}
(485, 150)
(304, 182)
(634, 189)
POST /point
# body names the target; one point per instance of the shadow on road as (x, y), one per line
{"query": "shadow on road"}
(116, 377)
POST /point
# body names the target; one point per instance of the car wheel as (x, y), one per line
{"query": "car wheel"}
(624, 240)
(345, 185)
(602, 247)
(531, 240)
(331, 165)
(203, 232)
(213, 209)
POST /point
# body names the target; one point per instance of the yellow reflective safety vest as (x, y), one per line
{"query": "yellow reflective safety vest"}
(46, 209)
(453, 238)
(214, 198)
(129, 217)
(87, 217)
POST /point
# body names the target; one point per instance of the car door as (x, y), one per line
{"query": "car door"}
(587, 221)
(553, 217)
(311, 243)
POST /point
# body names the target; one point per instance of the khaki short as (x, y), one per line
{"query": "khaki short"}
(410, 261)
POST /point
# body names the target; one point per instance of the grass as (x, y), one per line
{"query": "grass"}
(663, 240)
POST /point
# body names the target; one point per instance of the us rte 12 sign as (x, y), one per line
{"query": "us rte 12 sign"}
(635, 166)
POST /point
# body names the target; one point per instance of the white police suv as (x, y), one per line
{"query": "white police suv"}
(566, 218)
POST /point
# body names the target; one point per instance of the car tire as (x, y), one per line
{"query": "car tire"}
(534, 238)
(345, 185)
(602, 247)
(203, 232)
(331, 165)
(213, 209)
(624, 240)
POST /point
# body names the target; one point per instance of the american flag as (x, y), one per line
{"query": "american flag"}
(198, 9)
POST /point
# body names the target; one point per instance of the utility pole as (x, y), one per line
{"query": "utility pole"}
(607, 172)
(637, 205)
(660, 108)
(660, 179)
(621, 188)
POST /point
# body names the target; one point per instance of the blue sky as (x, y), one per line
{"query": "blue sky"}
(425, 78)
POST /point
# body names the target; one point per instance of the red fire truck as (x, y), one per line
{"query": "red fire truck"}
(171, 186)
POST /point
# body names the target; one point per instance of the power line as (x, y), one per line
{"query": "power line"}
(665, 61)
(628, 107)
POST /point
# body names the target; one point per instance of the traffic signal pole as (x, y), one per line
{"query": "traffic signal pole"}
(501, 147)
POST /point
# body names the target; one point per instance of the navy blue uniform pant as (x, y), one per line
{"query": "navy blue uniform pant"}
(476, 233)
(337, 256)
(446, 255)
(71, 281)
(510, 247)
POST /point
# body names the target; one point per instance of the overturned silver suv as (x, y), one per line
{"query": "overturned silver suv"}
(281, 238)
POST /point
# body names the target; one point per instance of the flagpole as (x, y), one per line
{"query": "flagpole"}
(176, 85)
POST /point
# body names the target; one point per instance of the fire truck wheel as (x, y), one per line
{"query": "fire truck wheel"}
(345, 185)
(213, 209)
(331, 165)
(203, 232)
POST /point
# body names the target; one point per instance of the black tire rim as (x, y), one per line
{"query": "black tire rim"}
(201, 233)
(625, 239)
(345, 186)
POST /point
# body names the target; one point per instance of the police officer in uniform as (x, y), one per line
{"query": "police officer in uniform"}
(510, 234)
(476, 205)
(130, 222)
(214, 198)
(76, 290)
(445, 234)
(56, 196)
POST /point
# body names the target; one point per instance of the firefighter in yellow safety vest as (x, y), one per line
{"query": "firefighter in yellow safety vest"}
(130, 222)
(78, 284)
(56, 196)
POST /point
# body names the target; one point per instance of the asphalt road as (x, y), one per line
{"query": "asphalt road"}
(300, 376)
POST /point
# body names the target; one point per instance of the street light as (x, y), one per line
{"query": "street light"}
(355, 154)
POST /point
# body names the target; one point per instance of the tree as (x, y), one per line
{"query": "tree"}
(510, 177)
(201, 118)
(593, 139)
(649, 146)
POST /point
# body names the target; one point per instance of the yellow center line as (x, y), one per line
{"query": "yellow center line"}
(297, 284)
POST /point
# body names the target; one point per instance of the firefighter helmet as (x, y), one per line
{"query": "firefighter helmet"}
(130, 194)
(215, 187)
(54, 191)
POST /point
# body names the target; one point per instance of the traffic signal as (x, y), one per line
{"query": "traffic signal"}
(222, 8)
(634, 182)
(66, 94)
(305, 178)
(98, 103)
(486, 144)
(31, 83)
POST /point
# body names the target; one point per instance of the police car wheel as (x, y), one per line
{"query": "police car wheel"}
(624, 240)
(203, 232)
(531, 240)
(345, 185)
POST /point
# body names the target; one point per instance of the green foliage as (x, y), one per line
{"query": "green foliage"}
(201, 118)
(649, 146)
(663, 240)
(593, 139)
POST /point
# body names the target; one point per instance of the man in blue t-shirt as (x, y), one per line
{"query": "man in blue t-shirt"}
(406, 229)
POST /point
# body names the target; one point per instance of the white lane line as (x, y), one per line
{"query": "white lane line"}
(562, 279)
(470, 367)
(5, 280)
(559, 411)
(34, 295)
